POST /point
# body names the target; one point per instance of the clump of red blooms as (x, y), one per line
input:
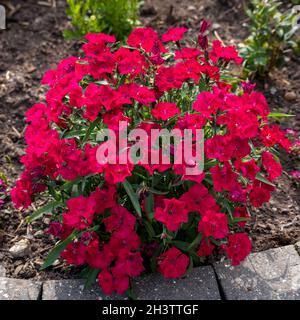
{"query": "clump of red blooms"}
(152, 82)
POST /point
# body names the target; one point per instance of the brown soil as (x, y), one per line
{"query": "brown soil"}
(33, 43)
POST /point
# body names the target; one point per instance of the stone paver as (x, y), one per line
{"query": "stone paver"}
(71, 290)
(17, 289)
(270, 275)
(297, 246)
(199, 284)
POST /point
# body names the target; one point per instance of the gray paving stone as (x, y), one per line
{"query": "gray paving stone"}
(297, 246)
(72, 290)
(270, 275)
(18, 289)
(2, 271)
(199, 284)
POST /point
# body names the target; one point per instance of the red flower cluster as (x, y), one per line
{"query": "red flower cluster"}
(122, 215)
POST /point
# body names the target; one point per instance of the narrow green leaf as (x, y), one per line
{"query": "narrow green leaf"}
(91, 277)
(240, 219)
(45, 209)
(195, 242)
(133, 197)
(149, 204)
(261, 178)
(90, 129)
(55, 252)
(191, 265)
(149, 229)
(73, 134)
(279, 115)
(180, 245)
(158, 192)
(70, 184)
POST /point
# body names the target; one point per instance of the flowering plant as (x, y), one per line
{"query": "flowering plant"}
(120, 216)
(272, 33)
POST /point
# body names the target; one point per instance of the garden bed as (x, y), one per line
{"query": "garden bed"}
(33, 43)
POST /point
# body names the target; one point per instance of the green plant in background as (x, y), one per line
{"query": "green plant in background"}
(272, 33)
(116, 17)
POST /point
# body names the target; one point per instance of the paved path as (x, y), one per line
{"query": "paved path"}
(269, 275)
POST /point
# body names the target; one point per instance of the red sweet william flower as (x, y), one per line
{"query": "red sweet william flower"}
(206, 103)
(106, 282)
(144, 95)
(120, 218)
(110, 283)
(129, 263)
(173, 34)
(170, 78)
(241, 213)
(224, 178)
(172, 214)
(74, 253)
(173, 263)
(248, 168)
(206, 248)
(187, 53)
(271, 165)
(96, 43)
(165, 110)
(260, 193)
(145, 38)
(81, 212)
(214, 224)
(238, 247)
(240, 123)
(115, 173)
(124, 240)
(58, 230)
(199, 199)
(97, 257)
(226, 53)
(274, 135)
(219, 147)
(190, 121)
(130, 62)
(22, 193)
(104, 198)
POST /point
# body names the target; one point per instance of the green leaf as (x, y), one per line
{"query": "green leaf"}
(195, 242)
(226, 204)
(45, 209)
(240, 219)
(261, 178)
(90, 129)
(91, 277)
(73, 134)
(149, 204)
(180, 245)
(191, 265)
(279, 115)
(149, 229)
(70, 184)
(158, 192)
(55, 252)
(133, 197)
